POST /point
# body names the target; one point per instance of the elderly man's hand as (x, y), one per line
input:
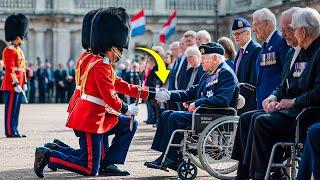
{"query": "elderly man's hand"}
(285, 104)
(192, 107)
(271, 106)
(267, 101)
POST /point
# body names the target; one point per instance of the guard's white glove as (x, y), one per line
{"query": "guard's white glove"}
(25, 87)
(18, 89)
(162, 95)
(133, 110)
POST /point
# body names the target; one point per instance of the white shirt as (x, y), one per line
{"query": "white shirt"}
(295, 55)
(246, 45)
(270, 35)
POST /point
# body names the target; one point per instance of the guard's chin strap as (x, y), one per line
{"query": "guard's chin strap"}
(116, 52)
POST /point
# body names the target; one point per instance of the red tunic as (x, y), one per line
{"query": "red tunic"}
(102, 83)
(80, 69)
(14, 62)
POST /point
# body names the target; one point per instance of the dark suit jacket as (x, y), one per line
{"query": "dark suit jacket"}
(247, 74)
(187, 77)
(59, 76)
(269, 66)
(305, 87)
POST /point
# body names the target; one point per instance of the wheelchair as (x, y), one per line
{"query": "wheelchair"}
(214, 130)
(295, 147)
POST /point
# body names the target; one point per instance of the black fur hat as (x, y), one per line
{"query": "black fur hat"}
(86, 28)
(110, 27)
(16, 25)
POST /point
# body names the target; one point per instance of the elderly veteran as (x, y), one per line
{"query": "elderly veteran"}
(302, 91)
(215, 88)
(272, 56)
(245, 61)
(243, 140)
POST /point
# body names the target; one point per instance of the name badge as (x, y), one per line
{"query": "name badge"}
(299, 68)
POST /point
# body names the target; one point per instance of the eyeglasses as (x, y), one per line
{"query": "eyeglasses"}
(237, 33)
(257, 24)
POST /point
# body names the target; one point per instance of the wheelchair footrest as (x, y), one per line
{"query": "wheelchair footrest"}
(154, 166)
(279, 165)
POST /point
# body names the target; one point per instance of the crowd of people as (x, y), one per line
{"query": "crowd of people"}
(284, 68)
(44, 84)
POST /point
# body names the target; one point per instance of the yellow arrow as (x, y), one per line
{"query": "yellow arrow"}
(162, 72)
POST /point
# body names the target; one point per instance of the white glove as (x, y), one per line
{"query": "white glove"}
(162, 95)
(25, 87)
(133, 110)
(18, 89)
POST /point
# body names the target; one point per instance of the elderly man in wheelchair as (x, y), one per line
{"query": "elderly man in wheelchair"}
(216, 89)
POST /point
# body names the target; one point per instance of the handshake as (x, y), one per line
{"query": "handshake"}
(162, 95)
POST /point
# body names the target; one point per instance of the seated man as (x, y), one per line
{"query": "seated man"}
(215, 88)
(303, 91)
(310, 162)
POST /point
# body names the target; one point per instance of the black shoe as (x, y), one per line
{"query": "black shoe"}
(168, 163)
(60, 143)
(279, 174)
(112, 170)
(155, 162)
(42, 156)
(151, 122)
(16, 135)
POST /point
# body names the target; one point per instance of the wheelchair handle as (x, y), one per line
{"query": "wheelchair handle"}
(247, 86)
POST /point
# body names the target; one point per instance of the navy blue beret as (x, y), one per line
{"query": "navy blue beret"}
(239, 23)
(211, 47)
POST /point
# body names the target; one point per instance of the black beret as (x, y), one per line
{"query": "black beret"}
(86, 28)
(110, 27)
(239, 23)
(16, 25)
(211, 47)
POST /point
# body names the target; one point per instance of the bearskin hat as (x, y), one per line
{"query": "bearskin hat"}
(16, 25)
(110, 27)
(86, 28)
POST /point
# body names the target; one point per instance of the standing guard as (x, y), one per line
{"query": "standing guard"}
(15, 81)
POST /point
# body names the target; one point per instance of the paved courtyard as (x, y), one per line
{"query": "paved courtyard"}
(44, 122)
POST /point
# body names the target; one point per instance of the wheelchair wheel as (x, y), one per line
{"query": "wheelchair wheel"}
(187, 170)
(215, 147)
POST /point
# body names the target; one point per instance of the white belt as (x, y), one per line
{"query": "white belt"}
(78, 87)
(93, 99)
(99, 102)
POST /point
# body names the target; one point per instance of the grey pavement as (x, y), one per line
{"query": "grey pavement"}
(44, 122)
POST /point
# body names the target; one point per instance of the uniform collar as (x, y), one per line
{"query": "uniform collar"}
(214, 70)
(313, 46)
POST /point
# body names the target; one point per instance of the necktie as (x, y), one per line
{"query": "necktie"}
(239, 59)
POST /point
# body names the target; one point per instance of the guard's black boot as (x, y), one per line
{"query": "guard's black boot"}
(112, 170)
(42, 156)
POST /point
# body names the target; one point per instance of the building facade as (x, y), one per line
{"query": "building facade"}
(55, 25)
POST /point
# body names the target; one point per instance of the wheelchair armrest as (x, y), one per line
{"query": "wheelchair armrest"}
(215, 110)
(247, 86)
(299, 118)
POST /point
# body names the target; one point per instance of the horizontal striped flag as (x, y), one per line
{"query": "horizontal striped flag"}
(168, 28)
(138, 24)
